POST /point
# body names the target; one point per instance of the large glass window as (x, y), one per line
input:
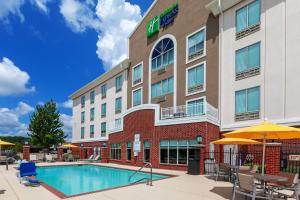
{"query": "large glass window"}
(162, 87)
(163, 54)
(82, 101)
(196, 78)
(103, 110)
(92, 97)
(146, 151)
(247, 58)
(195, 107)
(103, 129)
(82, 132)
(196, 45)
(137, 97)
(178, 151)
(115, 151)
(247, 101)
(92, 114)
(118, 105)
(118, 123)
(128, 151)
(119, 83)
(137, 74)
(103, 91)
(248, 16)
(92, 131)
(82, 117)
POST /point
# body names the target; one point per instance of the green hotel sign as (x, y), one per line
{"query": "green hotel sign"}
(163, 20)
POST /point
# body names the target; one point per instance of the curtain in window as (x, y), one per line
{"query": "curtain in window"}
(253, 99)
(241, 19)
(254, 55)
(254, 13)
(241, 60)
(240, 101)
(196, 39)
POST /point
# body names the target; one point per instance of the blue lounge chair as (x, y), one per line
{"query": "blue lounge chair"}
(27, 169)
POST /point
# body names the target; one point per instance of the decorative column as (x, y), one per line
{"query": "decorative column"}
(60, 152)
(26, 152)
(104, 155)
(273, 151)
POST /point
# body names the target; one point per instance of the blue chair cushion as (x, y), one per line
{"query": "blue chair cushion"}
(34, 181)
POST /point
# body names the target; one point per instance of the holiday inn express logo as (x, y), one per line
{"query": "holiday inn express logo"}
(163, 20)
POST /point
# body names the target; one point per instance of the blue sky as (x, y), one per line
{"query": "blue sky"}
(50, 48)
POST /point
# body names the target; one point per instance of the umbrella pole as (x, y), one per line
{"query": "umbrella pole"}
(263, 160)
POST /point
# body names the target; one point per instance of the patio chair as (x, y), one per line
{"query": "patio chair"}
(3, 159)
(70, 158)
(222, 170)
(27, 170)
(246, 186)
(87, 160)
(288, 189)
(96, 159)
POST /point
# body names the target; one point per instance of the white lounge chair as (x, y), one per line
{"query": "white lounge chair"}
(33, 158)
(96, 159)
(49, 158)
(87, 160)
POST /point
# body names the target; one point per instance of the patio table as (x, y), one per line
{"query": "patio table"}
(265, 179)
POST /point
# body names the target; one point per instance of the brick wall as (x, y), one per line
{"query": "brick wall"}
(26, 152)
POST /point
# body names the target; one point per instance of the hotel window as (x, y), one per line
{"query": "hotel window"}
(92, 114)
(137, 74)
(128, 151)
(118, 123)
(137, 97)
(163, 54)
(115, 151)
(119, 82)
(118, 105)
(247, 104)
(178, 151)
(82, 117)
(92, 97)
(196, 45)
(82, 132)
(248, 19)
(195, 79)
(103, 91)
(103, 129)
(162, 88)
(103, 110)
(92, 131)
(146, 151)
(247, 61)
(195, 107)
(82, 101)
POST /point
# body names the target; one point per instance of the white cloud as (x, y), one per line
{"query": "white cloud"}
(67, 104)
(13, 81)
(67, 120)
(11, 7)
(114, 20)
(41, 5)
(9, 120)
(79, 15)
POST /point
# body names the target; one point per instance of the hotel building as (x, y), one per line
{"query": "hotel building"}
(196, 69)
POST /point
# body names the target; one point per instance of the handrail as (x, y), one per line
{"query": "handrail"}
(139, 170)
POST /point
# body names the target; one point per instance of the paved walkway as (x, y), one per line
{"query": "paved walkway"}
(183, 186)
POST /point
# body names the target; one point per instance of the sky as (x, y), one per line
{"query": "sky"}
(51, 48)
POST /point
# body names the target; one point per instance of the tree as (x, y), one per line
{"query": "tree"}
(45, 126)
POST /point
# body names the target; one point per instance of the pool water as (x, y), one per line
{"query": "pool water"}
(77, 179)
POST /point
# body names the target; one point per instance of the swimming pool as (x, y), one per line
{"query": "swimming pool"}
(79, 179)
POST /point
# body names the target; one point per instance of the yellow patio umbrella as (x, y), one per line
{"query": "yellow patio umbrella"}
(3, 143)
(236, 141)
(68, 146)
(265, 130)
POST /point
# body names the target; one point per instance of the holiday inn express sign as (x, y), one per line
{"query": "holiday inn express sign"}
(163, 20)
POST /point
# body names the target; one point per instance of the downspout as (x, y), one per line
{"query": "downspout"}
(220, 58)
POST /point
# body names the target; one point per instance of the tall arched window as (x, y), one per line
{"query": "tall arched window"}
(163, 54)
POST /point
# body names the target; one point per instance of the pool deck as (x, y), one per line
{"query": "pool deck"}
(182, 186)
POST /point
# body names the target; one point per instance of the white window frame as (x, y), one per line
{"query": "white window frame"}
(139, 88)
(186, 79)
(132, 75)
(187, 45)
(195, 99)
(105, 84)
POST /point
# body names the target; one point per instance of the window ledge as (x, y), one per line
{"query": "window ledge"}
(160, 99)
(247, 31)
(118, 111)
(248, 73)
(103, 97)
(196, 55)
(247, 116)
(118, 90)
(194, 89)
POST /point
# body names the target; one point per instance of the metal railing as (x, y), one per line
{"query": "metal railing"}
(197, 109)
(149, 180)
